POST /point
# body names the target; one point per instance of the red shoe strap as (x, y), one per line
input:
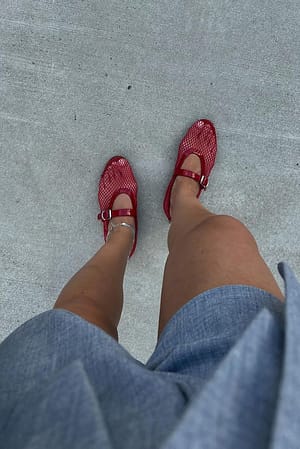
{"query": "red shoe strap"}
(203, 180)
(107, 214)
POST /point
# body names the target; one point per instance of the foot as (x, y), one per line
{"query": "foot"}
(183, 184)
(123, 201)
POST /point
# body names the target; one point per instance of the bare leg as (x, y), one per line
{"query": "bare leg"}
(206, 251)
(96, 292)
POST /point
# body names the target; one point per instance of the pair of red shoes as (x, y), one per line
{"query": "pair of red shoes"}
(117, 176)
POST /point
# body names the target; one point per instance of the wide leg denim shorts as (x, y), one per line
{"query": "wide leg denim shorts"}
(65, 383)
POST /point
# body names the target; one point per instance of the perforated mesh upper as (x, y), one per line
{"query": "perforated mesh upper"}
(200, 137)
(117, 178)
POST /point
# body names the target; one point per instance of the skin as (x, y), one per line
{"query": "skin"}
(206, 250)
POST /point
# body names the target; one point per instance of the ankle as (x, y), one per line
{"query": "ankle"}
(124, 233)
(182, 193)
(186, 185)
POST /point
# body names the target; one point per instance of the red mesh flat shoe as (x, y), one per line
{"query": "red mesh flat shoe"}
(117, 177)
(201, 140)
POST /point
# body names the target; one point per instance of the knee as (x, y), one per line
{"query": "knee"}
(88, 308)
(228, 227)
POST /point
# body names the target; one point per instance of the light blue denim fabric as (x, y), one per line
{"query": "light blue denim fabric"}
(224, 374)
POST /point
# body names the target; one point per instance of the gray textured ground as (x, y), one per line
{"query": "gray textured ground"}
(66, 109)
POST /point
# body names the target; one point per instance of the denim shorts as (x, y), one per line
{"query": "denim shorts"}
(64, 382)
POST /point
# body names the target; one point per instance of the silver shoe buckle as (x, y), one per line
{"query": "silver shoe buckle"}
(103, 218)
(203, 178)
